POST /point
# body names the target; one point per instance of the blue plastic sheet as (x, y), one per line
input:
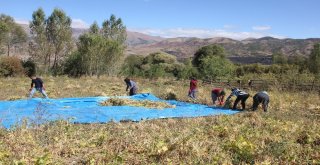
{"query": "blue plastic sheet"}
(88, 110)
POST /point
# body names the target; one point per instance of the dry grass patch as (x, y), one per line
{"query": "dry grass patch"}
(136, 103)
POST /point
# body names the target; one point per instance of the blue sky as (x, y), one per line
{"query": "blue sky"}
(238, 19)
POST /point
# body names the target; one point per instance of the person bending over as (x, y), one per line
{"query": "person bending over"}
(217, 94)
(261, 97)
(37, 85)
(132, 86)
(241, 96)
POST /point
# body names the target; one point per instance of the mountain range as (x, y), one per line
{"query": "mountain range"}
(250, 50)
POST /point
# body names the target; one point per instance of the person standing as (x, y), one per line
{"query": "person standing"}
(218, 94)
(37, 85)
(193, 88)
(241, 96)
(263, 98)
(131, 86)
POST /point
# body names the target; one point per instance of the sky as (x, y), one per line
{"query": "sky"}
(237, 19)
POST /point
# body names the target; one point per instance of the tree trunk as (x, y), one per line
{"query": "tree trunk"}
(8, 49)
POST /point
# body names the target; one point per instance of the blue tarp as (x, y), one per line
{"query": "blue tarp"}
(88, 110)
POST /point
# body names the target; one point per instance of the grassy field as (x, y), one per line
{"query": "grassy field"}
(288, 134)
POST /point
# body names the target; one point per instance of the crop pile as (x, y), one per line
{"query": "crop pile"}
(137, 103)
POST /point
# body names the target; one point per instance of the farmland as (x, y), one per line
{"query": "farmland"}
(287, 134)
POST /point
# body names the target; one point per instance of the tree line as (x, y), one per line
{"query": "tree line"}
(100, 51)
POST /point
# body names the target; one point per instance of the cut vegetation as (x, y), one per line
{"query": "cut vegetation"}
(136, 103)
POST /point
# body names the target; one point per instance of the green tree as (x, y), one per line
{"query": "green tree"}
(114, 29)
(314, 59)
(10, 32)
(279, 58)
(60, 36)
(39, 47)
(207, 51)
(94, 28)
(132, 65)
(216, 66)
(74, 65)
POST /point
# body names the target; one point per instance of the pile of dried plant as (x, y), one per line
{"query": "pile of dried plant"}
(137, 103)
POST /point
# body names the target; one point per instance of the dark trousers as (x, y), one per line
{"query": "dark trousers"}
(133, 91)
(260, 98)
(243, 99)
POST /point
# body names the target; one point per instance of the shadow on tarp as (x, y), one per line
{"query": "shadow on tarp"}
(88, 110)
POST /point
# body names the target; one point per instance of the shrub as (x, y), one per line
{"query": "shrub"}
(74, 65)
(11, 66)
(29, 67)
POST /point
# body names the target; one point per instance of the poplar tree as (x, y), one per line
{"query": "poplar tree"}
(59, 34)
(10, 33)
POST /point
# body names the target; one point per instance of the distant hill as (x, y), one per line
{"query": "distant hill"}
(186, 47)
(250, 50)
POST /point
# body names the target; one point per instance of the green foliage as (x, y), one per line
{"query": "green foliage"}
(10, 32)
(279, 58)
(11, 66)
(158, 58)
(207, 51)
(39, 47)
(158, 65)
(188, 70)
(99, 51)
(132, 65)
(114, 29)
(216, 66)
(74, 65)
(59, 35)
(29, 67)
(314, 59)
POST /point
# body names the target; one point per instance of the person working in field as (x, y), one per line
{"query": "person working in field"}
(261, 97)
(193, 88)
(131, 86)
(218, 94)
(37, 85)
(241, 96)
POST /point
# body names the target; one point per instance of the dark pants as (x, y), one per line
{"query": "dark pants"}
(133, 91)
(260, 98)
(243, 99)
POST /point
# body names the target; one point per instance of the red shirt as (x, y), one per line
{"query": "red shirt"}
(217, 91)
(193, 84)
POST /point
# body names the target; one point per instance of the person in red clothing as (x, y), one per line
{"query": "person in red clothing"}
(193, 88)
(218, 94)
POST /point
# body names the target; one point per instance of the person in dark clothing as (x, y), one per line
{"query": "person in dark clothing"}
(132, 86)
(193, 88)
(37, 85)
(218, 94)
(261, 97)
(241, 96)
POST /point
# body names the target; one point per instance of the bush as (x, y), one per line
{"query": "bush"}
(74, 65)
(11, 66)
(29, 67)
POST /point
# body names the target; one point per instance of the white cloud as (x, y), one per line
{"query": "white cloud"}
(201, 33)
(79, 23)
(228, 27)
(261, 28)
(21, 21)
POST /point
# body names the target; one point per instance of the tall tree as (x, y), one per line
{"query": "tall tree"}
(115, 32)
(114, 29)
(207, 51)
(59, 34)
(39, 48)
(10, 32)
(314, 59)
(94, 28)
